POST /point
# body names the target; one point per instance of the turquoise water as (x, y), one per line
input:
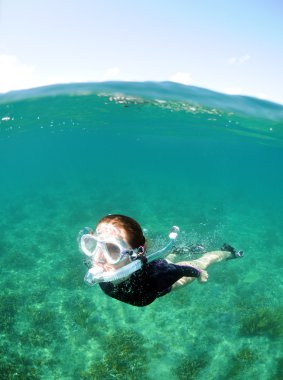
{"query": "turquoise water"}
(164, 154)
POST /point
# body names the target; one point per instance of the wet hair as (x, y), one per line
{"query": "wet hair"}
(133, 229)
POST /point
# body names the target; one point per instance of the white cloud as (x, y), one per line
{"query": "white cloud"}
(244, 58)
(179, 77)
(14, 74)
(239, 60)
(232, 60)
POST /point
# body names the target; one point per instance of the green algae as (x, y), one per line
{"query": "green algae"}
(190, 367)
(124, 357)
(14, 366)
(241, 361)
(278, 370)
(9, 303)
(263, 322)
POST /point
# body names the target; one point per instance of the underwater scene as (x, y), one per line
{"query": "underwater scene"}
(165, 154)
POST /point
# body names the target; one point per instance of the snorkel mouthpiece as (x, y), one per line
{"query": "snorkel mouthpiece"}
(92, 276)
(96, 273)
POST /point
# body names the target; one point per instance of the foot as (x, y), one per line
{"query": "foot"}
(234, 253)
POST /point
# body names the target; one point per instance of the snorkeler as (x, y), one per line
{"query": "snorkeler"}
(118, 261)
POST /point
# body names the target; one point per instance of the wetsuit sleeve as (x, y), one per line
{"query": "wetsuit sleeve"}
(189, 271)
(164, 274)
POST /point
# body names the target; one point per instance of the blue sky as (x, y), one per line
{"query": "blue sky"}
(231, 46)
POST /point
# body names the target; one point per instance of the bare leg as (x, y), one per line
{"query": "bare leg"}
(202, 263)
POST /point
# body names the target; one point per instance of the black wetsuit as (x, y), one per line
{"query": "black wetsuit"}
(153, 280)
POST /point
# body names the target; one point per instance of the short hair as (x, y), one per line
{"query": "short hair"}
(132, 227)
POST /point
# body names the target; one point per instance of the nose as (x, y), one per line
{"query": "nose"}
(99, 257)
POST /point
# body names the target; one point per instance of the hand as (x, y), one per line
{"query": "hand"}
(203, 276)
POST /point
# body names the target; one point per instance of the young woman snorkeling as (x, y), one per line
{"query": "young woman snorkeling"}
(118, 261)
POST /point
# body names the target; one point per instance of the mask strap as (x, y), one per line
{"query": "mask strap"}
(141, 255)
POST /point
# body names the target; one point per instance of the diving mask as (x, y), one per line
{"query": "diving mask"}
(101, 248)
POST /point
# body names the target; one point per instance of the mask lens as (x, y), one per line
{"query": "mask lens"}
(90, 244)
(113, 250)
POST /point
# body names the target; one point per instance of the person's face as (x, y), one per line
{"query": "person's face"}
(109, 230)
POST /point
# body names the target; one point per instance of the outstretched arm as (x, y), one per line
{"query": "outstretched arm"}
(203, 263)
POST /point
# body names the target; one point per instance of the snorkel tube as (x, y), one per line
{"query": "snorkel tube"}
(97, 274)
